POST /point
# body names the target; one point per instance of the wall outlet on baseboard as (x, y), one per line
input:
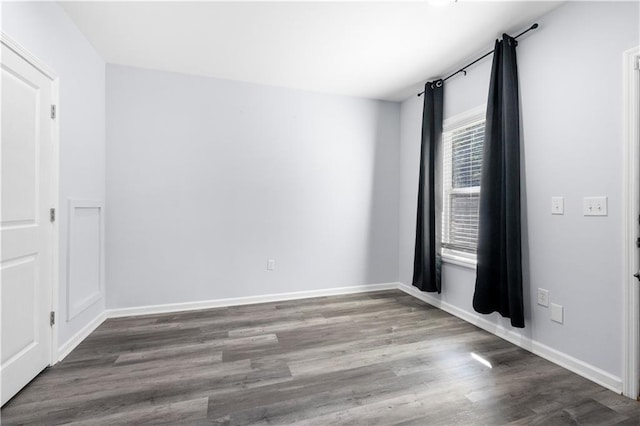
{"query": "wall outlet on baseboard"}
(543, 297)
(271, 265)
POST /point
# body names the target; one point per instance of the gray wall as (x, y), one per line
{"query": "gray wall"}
(572, 110)
(207, 179)
(47, 32)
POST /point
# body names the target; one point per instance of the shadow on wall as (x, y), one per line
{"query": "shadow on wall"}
(382, 259)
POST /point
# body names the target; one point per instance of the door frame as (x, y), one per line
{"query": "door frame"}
(55, 180)
(631, 196)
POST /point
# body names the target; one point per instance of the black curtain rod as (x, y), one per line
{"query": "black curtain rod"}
(464, 69)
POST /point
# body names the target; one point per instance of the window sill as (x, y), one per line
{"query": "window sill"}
(459, 261)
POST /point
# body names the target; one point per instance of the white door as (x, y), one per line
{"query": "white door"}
(26, 230)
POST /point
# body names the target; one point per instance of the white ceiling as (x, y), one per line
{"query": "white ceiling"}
(382, 50)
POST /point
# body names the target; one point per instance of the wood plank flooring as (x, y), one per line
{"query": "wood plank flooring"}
(376, 358)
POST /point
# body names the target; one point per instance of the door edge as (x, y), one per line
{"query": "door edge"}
(631, 211)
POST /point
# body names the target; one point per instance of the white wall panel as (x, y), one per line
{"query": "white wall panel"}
(85, 268)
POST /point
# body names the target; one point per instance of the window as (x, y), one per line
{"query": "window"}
(462, 141)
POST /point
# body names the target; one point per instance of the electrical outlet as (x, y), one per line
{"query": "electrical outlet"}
(543, 297)
(557, 313)
(594, 206)
(271, 265)
(557, 205)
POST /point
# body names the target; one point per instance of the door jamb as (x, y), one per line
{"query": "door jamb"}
(55, 179)
(631, 194)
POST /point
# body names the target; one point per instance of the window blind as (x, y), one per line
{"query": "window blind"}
(461, 185)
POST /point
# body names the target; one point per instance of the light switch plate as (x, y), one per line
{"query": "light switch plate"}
(595, 206)
(271, 265)
(543, 297)
(557, 205)
(557, 313)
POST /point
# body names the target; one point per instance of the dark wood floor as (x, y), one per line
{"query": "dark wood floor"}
(377, 358)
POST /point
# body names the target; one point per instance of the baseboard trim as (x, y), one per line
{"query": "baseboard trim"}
(575, 365)
(237, 301)
(66, 348)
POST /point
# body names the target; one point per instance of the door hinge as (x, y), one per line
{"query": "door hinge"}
(52, 318)
(636, 65)
(53, 111)
(52, 214)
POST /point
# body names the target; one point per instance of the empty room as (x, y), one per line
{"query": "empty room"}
(320, 213)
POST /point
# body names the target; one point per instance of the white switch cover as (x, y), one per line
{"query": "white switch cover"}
(557, 205)
(271, 265)
(595, 206)
(557, 313)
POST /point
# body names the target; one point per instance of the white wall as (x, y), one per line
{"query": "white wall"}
(207, 179)
(47, 32)
(572, 110)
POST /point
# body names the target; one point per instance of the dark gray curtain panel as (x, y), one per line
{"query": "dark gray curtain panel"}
(499, 271)
(427, 261)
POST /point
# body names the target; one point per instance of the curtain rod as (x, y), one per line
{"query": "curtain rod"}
(464, 69)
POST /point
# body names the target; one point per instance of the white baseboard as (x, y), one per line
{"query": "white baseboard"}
(575, 365)
(236, 301)
(66, 348)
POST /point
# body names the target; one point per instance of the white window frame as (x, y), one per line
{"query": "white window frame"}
(466, 118)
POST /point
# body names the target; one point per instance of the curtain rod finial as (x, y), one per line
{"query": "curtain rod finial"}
(534, 26)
